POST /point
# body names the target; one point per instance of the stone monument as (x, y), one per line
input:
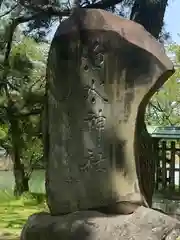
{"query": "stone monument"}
(102, 70)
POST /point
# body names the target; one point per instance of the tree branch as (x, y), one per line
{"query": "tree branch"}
(14, 24)
(57, 11)
(46, 9)
(155, 107)
(30, 113)
(9, 11)
(160, 109)
(103, 4)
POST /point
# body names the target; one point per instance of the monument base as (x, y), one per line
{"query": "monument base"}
(144, 223)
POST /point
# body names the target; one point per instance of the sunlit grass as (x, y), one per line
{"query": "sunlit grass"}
(14, 212)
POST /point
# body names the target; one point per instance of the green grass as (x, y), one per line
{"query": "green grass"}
(14, 212)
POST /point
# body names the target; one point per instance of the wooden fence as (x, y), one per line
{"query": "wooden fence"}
(167, 175)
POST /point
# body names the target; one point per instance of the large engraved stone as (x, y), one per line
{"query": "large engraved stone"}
(102, 71)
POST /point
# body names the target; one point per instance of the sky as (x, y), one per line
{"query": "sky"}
(172, 20)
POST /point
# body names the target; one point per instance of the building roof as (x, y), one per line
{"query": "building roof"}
(166, 132)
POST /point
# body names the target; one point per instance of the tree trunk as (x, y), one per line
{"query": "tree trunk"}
(21, 180)
(150, 14)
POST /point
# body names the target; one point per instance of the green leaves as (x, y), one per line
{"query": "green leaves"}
(23, 99)
(3, 132)
(164, 108)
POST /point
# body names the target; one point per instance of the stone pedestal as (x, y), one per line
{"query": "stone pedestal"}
(143, 224)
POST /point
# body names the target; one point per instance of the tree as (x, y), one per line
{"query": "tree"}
(21, 103)
(149, 13)
(164, 107)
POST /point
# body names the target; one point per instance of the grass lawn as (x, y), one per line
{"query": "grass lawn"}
(14, 213)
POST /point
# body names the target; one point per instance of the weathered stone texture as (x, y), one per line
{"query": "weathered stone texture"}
(143, 224)
(102, 71)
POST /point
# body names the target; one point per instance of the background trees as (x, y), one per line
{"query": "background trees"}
(21, 100)
(164, 107)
